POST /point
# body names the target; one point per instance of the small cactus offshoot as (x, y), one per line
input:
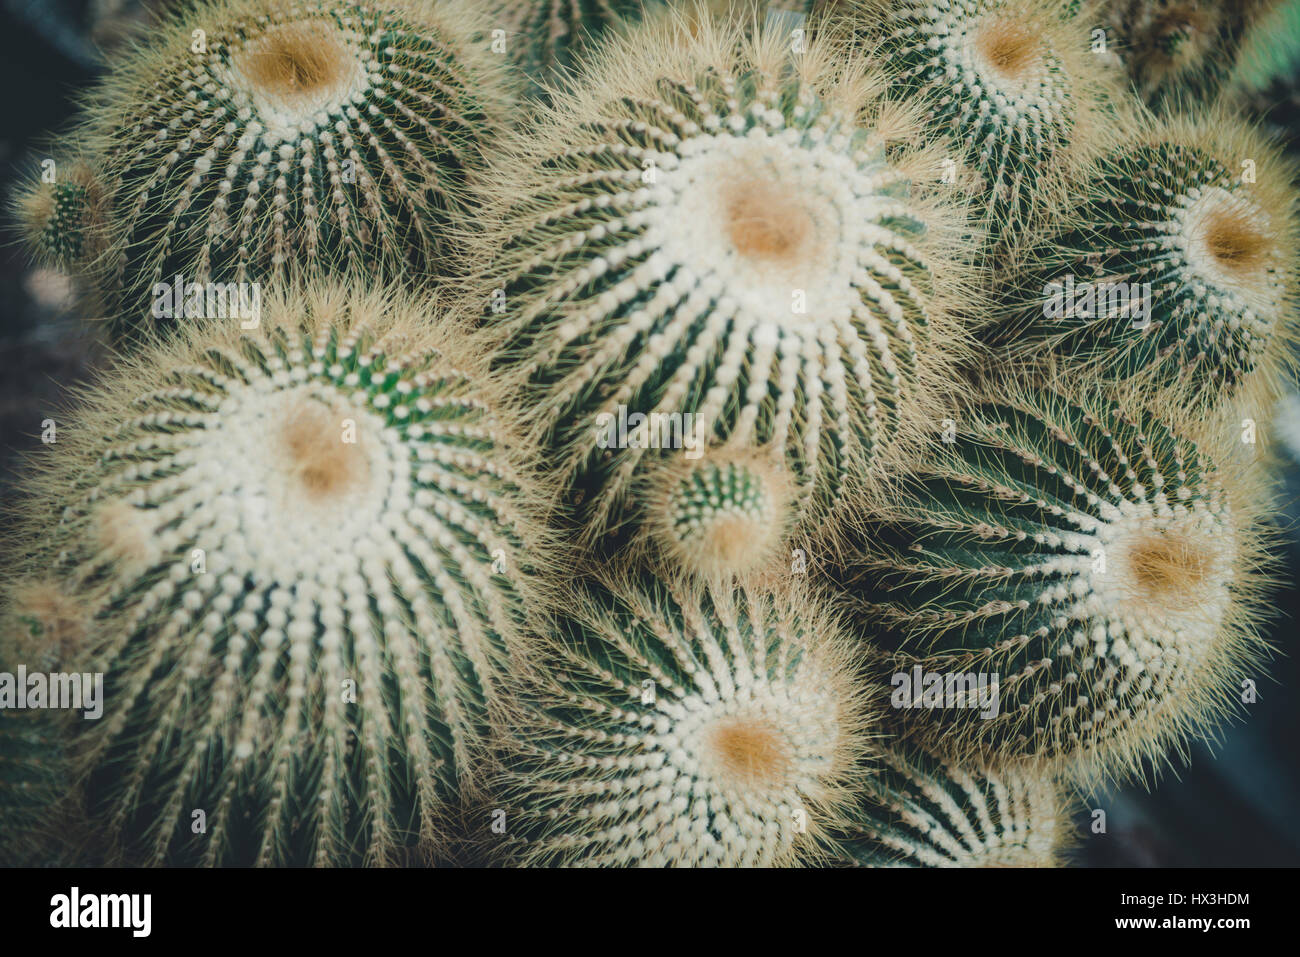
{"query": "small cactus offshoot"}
(708, 232)
(247, 138)
(692, 728)
(1100, 570)
(298, 554)
(62, 216)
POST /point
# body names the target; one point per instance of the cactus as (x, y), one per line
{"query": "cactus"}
(1182, 50)
(722, 515)
(1016, 82)
(1201, 209)
(1097, 564)
(921, 811)
(686, 727)
(710, 231)
(250, 138)
(297, 553)
(62, 222)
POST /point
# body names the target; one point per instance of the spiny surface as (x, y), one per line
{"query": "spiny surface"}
(702, 230)
(298, 553)
(284, 136)
(924, 812)
(1099, 567)
(1202, 211)
(686, 728)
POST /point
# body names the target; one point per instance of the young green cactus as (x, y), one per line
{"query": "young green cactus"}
(61, 216)
(249, 138)
(1098, 568)
(697, 727)
(921, 811)
(1014, 81)
(296, 556)
(725, 514)
(1173, 260)
(715, 233)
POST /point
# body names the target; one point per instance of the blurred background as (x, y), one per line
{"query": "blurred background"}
(1236, 803)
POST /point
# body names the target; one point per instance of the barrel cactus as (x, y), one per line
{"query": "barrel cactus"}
(61, 215)
(248, 138)
(921, 811)
(713, 237)
(297, 552)
(1098, 569)
(725, 514)
(1174, 260)
(686, 727)
(1016, 81)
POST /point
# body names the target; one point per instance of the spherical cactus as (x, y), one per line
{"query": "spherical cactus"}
(714, 236)
(249, 138)
(721, 515)
(1180, 49)
(1070, 579)
(298, 553)
(921, 811)
(1014, 81)
(1174, 260)
(687, 728)
(61, 215)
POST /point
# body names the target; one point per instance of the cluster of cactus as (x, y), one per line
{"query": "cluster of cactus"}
(647, 401)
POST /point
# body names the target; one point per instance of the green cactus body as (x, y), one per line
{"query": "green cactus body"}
(705, 230)
(1167, 265)
(685, 728)
(924, 812)
(249, 139)
(299, 553)
(1099, 568)
(1010, 80)
(62, 221)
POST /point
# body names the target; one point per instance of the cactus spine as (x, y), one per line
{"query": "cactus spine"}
(1193, 220)
(1098, 565)
(687, 727)
(299, 552)
(708, 227)
(249, 139)
(921, 811)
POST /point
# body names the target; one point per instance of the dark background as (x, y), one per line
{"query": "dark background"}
(1236, 803)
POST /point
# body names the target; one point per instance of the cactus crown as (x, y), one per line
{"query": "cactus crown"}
(246, 139)
(688, 727)
(1201, 209)
(710, 226)
(921, 811)
(298, 550)
(1012, 79)
(1101, 565)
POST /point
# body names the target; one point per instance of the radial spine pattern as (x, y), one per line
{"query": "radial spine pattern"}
(710, 231)
(248, 138)
(298, 553)
(1100, 572)
(925, 812)
(687, 729)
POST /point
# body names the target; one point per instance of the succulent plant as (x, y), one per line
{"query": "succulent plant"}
(1173, 261)
(62, 219)
(298, 557)
(921, 811)
(248, 139)
(685, 727)
(1015, 81)
(711, 234)
(1097, 567)
(1180, 50)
